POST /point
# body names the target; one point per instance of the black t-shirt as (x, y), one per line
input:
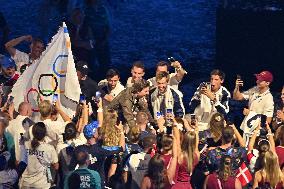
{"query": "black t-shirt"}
(89, 88)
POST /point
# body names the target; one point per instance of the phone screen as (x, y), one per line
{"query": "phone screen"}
(169, 111)
(55, 98)
(82, 98)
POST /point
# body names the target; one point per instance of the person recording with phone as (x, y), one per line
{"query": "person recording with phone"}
(164, 97)
(175, 78)
(259, 97)
(210, 98)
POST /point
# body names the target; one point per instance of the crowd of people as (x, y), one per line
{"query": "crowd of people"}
(141, 134)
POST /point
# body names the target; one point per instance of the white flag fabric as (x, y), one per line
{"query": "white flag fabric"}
(54, 73)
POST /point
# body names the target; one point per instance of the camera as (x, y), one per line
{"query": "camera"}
(10, 100)
(192, 119)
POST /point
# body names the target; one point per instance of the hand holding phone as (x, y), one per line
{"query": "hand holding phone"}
(10, 100)
(239, 81)
(82, 99)
(55, 98)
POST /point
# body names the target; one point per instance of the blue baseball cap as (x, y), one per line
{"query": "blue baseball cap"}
(7, 62)
(90, 129)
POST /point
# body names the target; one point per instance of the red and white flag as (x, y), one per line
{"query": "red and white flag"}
(243, 174)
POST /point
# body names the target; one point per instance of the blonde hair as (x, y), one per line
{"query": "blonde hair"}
(110, 133)
(134, 134)
(188, 147)
(45, 108)
(271, 168)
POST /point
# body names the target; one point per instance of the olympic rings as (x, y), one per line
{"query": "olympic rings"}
(37, 100)
(61, 73)
(48, 92)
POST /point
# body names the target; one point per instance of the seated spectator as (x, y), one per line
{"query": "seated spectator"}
(224, 178)
(209, 99)
(41, 156)
(131, 100)
(137, 73)
(88, 178)
(22, 58)
(174, 78)
(156, 176)
(111, 86)
(164, 98)
(270, 176)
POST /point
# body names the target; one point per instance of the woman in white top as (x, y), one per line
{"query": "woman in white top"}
(41, 156)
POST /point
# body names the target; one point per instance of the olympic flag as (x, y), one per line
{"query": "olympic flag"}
(54, 73)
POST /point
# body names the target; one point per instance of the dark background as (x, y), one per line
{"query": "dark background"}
(239, 37)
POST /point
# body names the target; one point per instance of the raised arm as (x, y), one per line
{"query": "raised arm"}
(10, 45)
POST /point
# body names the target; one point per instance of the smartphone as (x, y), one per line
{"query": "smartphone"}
(10, 100)
(159, 114)
(82, 98)
(208, 85)
(169, 111)
(203, 84)
(55, 98)
(98, 96)
(171, 59)
(239, 77)
(192, 119)
(263, 120)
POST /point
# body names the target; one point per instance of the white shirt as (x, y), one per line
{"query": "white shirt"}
(173, 82)
(80, 140)
(260, 103)
(22, 58)
(38, 161)
(54, 131)
(113, 92)
(15, 128)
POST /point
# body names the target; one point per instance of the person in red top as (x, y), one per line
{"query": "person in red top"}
(270, 176)
(156, 177)
(187, 159)
(280, 149)
(224, 177)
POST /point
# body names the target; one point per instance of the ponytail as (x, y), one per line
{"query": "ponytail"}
(39, 132)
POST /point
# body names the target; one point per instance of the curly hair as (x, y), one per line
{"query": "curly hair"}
(110, 133)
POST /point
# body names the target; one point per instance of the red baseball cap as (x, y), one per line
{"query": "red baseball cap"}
(264, 76)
